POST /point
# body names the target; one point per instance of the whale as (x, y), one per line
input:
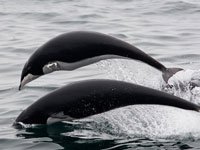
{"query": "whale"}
(86, 98)
(76, 49)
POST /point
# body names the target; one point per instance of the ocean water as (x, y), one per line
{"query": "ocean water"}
(167, 30)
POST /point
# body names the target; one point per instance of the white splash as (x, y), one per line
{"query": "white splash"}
(186, 84)
(139, 121)
(151, 121)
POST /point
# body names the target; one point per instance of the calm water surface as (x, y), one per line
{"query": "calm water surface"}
(167, 30)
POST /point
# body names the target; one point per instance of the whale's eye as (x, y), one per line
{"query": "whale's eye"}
(29, 68)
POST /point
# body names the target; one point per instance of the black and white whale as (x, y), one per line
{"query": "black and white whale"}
(90, 97)
(72, 50)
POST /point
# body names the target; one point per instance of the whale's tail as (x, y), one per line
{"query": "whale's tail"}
(169, 72)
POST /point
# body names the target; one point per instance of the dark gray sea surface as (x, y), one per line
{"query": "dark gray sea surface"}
(167, 30)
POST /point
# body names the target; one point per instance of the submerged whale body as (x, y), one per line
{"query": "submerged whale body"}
(86, 98)
(73, 50)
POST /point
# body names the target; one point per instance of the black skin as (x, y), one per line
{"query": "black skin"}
(86, 98)
(80, 45)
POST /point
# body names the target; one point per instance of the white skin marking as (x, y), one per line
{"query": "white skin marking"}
(28, 78)
(50, 67)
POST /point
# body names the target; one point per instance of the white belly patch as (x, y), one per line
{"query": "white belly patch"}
(58, 117)
(58, 65)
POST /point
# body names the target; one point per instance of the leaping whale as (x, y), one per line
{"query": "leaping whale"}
(90, 97)
(73, 50)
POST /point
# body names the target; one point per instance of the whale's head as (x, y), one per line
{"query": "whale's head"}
(30, 72)
(35, 69)
(31, 116)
